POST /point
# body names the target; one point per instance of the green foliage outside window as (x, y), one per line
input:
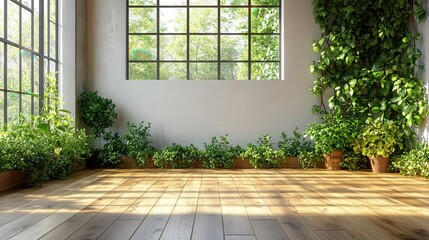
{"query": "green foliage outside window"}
(236, 34)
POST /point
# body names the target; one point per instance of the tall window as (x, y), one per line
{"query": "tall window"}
(203, 39)
(28, 51)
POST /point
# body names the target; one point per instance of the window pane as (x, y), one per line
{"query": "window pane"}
(173, 47)
(52, 68)
(234, 2)
(262, 16)
(142, 2)
(234, 71)
(265, 71)
(173, 71)
(234, 48)
(46, 30)
(53, 42)
(203, 20)
(172, 20)
(12, 68)
(36, 25)
(172, 2)
(234, 20)
(12, 107)
(1, 107)
(142, 48)
(13, 22)
(142, 71)
(27, 3)
(26, 105)
(36, 74)
(265, 48)
(26, 29)
(53, 10)
(142, 20)
(203, 71)
(26, 71)
(1, 66)
(1, 20)
(266, 2)
(202, 2)
(203, 47)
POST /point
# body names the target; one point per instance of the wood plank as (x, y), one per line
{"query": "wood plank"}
(240, 237)
(154, 223)
(208, 223)
(236, 221)
(268, 229)
(120, 229)
(180, 224)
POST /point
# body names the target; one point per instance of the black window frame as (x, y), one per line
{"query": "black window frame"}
(47, 61)
(249, 35)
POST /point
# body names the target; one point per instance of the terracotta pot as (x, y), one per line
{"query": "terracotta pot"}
(242, 163)
(292, 162)
(379, 164)
(11, 179)
(332, 161)
(128, 163)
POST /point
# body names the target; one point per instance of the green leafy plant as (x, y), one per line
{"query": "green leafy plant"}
(176, 156)
(368, 56)
(112, 151)
(291, 146)
(96, 112)
(379, 138)
(44, 146)
(310, 157)
(137, 143)
(263, 155)
(219, 153)
(353, 161)
(333, 132)
(414, 162)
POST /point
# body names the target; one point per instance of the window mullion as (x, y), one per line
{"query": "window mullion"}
(249, 40)
(188, 74)
(158, 30)
(42, 53)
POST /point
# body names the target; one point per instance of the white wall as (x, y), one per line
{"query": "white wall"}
(194, 111)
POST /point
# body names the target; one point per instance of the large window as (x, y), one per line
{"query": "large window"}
(28, 51)
(203, 39)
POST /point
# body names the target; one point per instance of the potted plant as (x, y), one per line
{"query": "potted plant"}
(176, 156)
(219, 153)
(332, 134)
(263, 155)
(379, 140)
(291, 147)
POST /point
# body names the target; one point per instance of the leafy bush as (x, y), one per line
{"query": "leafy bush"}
(45, 146)
(380, 137)
(354, 161)
(137, 143)
(262, 155)
(219, 153)
(310, 158)
(414, 162)
(333, 132)
(112, 151)
(291, 146)
(176, 156)
(96, 112)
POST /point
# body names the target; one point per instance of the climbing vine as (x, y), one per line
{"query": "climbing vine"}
(368, 56)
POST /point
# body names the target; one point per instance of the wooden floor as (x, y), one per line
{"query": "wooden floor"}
(225, 204)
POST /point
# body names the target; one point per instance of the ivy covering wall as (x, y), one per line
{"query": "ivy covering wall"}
(368, 56)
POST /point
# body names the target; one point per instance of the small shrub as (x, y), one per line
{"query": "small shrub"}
(414, 162)
(354, 161)
(310, 158)
(262, 155)
(176, 156)
(137, 143)
(219, 153)
(291, 146)
(112, 151)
